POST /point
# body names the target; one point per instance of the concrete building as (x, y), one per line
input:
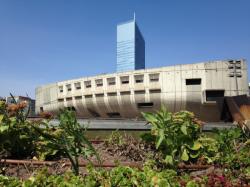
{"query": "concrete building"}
(193, 87)
(30, 103)
(130, 50)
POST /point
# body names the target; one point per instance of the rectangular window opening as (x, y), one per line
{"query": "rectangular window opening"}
(78, 86)
(60, 100)
(99, 82)
(68, 87)
(193, 81)
(99, 95)
(139, 78)
(88, 96)
(213, 95)
(87, 84)
(61, 89)
(112, 94)
(140, 92)
(78, 97)
(125, 93)
(114, 115)
(125, 80)
(69, 99)
(155, 91)
(111, 81)
(145, 105)
(154, 77)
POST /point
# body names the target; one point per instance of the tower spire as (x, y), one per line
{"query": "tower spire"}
(134, 16)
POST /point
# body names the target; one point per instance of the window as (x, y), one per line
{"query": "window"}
(68, 86)
(154, 77)
(77, 85)
(193, 81)
(139, 78)
(113, 114)
(155, 91)
(125, 80)
(213, 95)
(87, 84)
(145, 105)
(60, 100)
(112, 94)
(111, 81)
(88, 96)
(69, 99)
(125, 93)
(41, 109)
(99, 95)
(78, 97)
(61, 89)
(99, 82)
(140, 92)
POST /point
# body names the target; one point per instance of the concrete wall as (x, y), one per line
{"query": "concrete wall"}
(128, 100)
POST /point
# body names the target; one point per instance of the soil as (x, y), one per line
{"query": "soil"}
(24, 171)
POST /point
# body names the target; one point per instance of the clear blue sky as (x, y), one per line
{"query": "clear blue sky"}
(44, 41)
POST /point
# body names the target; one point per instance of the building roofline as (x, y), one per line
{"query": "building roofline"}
(146, 69)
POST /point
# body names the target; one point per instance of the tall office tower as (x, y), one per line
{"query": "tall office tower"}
(130, 50)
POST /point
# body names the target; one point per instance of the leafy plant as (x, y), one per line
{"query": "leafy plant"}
(70, 141)
(16, 134)
(176, 135)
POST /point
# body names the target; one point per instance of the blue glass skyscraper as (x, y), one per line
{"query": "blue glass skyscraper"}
(130, 47)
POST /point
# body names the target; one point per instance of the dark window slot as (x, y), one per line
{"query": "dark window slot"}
(193, 81)
(78, 97)
(41, 109)
(88, 96)
(125, 82)
(213, 95)
(125, 93)
(155, 91)
(99, 95)
(145, 105)
(139, 81)
(69, 99)
(140, 92)
(112, 94)
(60, 100)
(114, 115)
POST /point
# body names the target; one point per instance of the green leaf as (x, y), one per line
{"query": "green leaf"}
(184, 155)
(184, 129)
(160, 138)
(197, 145)
(1, 118)
(3, 128)
(169, 160)
(149, 117)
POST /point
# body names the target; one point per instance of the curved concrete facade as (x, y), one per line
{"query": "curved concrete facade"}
(193, 87)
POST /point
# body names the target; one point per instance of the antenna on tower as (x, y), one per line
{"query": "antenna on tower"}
(134, 16)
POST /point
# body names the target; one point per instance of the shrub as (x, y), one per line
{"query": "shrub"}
(176, 135)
